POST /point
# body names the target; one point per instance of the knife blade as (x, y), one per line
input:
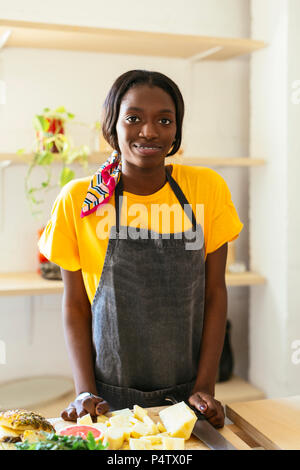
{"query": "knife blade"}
(205, 431)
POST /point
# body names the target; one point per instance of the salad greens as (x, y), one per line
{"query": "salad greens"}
(53, 441)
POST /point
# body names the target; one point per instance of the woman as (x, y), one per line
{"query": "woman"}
(145, 301)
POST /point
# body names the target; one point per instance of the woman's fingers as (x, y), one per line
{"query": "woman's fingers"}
(92, 405)
(102, 408)
(69, 414)
(212, 409)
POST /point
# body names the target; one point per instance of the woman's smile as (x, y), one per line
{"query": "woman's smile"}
(147, 149)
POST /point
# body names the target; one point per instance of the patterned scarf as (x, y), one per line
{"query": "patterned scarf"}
(103, 184)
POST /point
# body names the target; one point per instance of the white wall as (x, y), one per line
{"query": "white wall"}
(216, 126)
(293, 172)
(214, 17)
(274, 211)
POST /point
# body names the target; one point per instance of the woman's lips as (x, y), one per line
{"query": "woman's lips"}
(147, 149)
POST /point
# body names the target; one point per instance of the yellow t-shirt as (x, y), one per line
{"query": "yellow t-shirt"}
(77, 243)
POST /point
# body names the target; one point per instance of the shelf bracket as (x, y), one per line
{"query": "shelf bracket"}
(4, 37)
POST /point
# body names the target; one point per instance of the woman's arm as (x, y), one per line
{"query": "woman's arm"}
(77, 322)
(214, 326)
(77, 319)
(215, 315)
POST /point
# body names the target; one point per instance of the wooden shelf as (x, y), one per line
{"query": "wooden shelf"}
(236, 390)
(248, 278)
(100, 157)
(116, 41)
(30, 283)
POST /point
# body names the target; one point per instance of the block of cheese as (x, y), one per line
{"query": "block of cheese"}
(134, 420)
(101, 426)
(125, 446)
(86, 419)
(154, 440)
(172, 443)
(139, 444)
(120, 420)
(160, 427)
(151, 424)
(139, 412)
(114, 436)
(140, 429)
(179, 420)
(102, 419)
(124, 411)
(126, 430)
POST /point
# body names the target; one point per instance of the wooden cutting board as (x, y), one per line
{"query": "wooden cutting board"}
(192, 444)
(273, 423)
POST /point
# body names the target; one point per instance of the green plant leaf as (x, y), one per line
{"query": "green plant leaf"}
(45, 158)
(65, 176)
(46, 110)
(40, 123)
(60, 109)
(21, 151)
(70, 115)
(91, 441)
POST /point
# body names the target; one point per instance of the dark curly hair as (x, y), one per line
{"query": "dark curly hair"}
(121, 85)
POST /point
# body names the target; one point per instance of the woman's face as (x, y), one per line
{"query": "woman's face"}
(146, 125)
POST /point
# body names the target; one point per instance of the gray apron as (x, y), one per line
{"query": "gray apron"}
(147, 313)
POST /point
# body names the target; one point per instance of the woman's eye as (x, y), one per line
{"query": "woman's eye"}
(166, 119)
(132, 119)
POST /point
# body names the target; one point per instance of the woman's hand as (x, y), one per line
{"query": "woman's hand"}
(91, 404)
(211, 408)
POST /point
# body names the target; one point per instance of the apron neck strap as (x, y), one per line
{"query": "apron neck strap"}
(177, 191)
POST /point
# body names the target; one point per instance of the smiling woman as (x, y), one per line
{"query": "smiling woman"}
(144, 315)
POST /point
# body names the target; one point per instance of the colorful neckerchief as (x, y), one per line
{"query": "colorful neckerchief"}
(103, 184)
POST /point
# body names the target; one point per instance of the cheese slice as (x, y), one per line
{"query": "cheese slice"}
(154, 440)
(151, 424)
(139, 444)
(101, 426)
(139, 412)
(140, 429)
(172, 443)
(124, 411)
(86, 419)
(114, 436)
(102, 419)
(120, 420)
(160, 427)
(179, 420)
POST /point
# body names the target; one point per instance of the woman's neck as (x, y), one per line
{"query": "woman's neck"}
(144, 181)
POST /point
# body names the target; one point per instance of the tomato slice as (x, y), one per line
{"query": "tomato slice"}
(81, 431)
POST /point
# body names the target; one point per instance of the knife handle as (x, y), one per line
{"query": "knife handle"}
(197, 412)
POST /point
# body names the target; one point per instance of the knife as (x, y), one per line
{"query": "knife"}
(204, 431)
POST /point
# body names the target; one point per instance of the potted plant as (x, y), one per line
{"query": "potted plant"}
(51, 145)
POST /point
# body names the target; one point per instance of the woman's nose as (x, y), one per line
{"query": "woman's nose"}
(148, 130)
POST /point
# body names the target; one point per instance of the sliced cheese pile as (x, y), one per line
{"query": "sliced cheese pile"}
(135, 430)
